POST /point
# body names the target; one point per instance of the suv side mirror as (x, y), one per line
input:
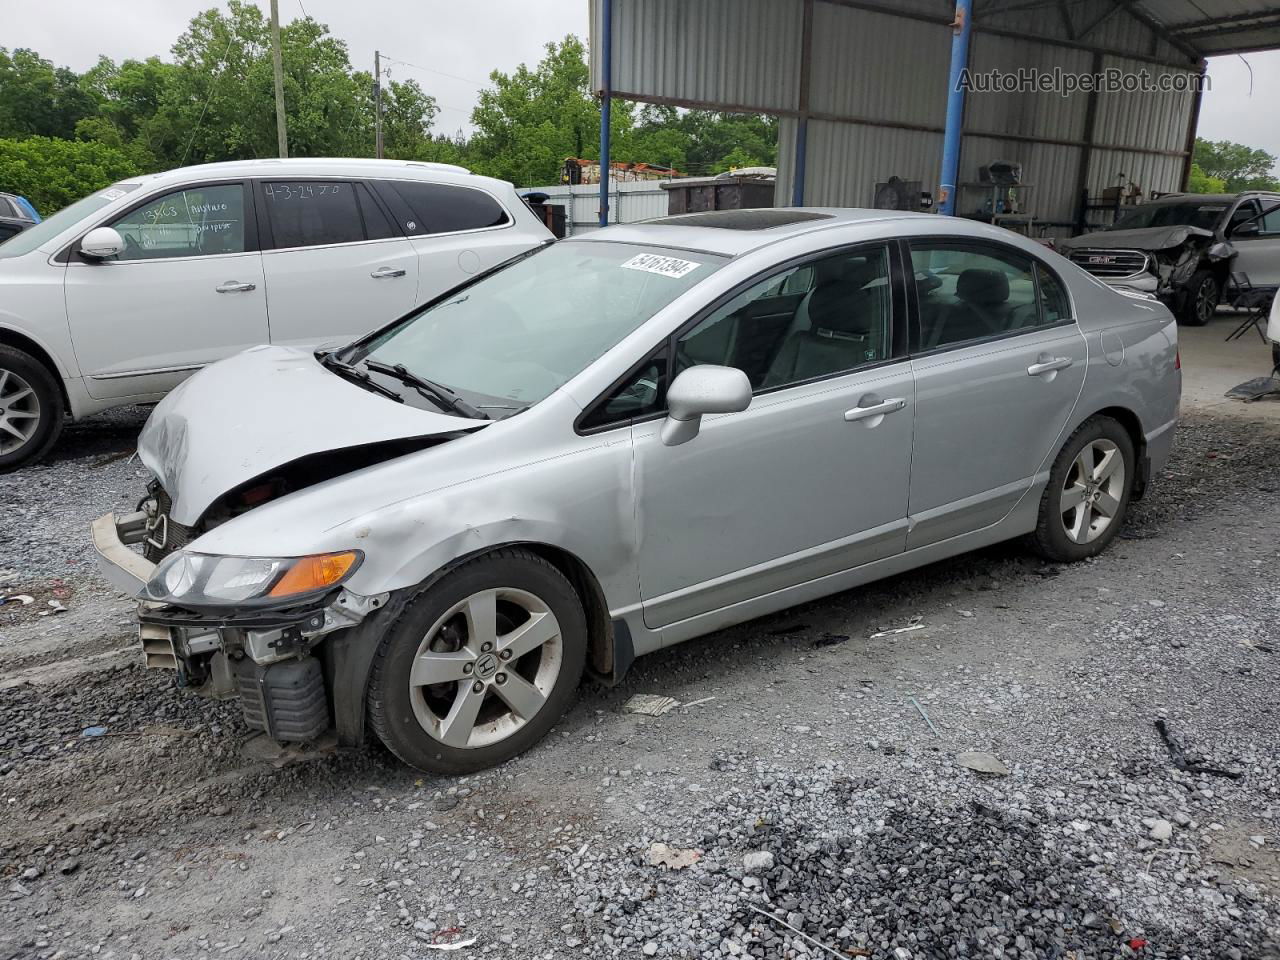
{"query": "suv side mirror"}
(1249, 228)
(101, 243)
(700, 390)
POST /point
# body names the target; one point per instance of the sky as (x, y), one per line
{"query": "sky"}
(462, 42)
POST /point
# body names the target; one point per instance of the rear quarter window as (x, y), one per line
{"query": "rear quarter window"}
(427, 208)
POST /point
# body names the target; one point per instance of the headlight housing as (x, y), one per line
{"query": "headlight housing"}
(209, 580)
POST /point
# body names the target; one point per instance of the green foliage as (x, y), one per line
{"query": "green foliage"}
(1237, 166)
(1201, 182)
(529, 121)
(37, 99)
(214, 100)
(52, 173)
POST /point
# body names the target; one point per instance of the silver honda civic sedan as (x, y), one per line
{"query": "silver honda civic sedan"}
(619, 442)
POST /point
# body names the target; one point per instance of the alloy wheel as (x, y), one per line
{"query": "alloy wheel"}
(486, 667)
(19, 412)
(1093, 491)
(1206, 301)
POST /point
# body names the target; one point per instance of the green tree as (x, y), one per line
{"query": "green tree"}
(529, 121)
(1201, 182)
(1239, 167)
(37, 99)
(52, 172)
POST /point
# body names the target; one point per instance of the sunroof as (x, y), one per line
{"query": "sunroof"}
(756, 219)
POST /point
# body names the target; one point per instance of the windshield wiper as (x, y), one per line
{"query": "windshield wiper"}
(330, 361)
(445, 398)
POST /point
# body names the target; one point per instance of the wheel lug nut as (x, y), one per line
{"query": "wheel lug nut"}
(505, 655)
(486, 647)
(501, 678)
(467, 668)
(478, 687)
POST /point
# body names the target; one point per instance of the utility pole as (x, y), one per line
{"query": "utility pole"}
(377, 104)
(282, 133)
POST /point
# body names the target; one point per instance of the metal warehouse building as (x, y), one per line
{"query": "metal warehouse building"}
(863, 88)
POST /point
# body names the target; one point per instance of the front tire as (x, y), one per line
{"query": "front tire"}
(30, 408)
(1084, 505)
(480, 665)
(1200, 299)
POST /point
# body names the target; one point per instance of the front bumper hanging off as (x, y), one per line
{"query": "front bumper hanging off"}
(264, 657)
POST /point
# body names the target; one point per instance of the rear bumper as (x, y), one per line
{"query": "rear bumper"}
(125, 570)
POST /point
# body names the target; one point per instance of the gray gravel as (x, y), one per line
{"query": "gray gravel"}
(812, 789)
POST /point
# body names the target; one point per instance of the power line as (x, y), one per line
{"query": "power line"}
(451, 76)
(213, 86)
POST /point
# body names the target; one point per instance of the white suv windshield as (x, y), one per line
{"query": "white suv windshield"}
(67, 217)
(519, 334)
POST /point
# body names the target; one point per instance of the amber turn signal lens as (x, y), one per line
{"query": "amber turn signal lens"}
(309, 574)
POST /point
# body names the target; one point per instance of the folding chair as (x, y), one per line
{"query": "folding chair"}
(1257, 304)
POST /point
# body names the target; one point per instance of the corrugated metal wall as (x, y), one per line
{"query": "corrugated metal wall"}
(878, 90)
(628, 203)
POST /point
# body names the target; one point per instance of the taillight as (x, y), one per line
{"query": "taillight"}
(1177, 359)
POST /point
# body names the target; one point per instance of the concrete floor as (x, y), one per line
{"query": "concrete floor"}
(1211, 366)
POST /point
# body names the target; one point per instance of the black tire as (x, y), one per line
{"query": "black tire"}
(1051, 539)
(1275, 357)
(48, 401)
(1200, 299)
(391, 710)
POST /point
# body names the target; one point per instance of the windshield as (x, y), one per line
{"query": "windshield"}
(1190, 214)
(65, 218)
(517, 335)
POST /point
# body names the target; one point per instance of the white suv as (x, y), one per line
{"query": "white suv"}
(119, 297)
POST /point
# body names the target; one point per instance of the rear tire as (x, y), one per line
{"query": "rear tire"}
(480, 665)
(1199, 299)
(1084, 505)
(31, 409)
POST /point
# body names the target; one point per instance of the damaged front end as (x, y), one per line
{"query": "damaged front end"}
(1157, 260)
(267, 646)
(264, 627)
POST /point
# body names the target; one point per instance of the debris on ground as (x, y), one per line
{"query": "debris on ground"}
(650, 704)
(981, 762)
(673, 858)
(1189, 761)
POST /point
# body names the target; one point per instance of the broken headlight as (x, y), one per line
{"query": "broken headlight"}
(209, 580)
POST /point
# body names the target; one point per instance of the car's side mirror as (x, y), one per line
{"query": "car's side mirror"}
(700, 390)
(1249, 228)
(101, 243)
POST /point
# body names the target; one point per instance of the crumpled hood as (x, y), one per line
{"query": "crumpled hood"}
(1148, 238)
(259, 410)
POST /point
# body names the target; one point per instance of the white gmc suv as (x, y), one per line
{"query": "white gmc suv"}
(119, 297)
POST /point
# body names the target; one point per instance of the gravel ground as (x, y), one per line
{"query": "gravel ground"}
(822, 803)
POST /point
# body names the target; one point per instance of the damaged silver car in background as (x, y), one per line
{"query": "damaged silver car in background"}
(620, 442)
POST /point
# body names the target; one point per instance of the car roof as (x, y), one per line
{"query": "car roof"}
(731, 233)
(1212, 197)
(322, 167)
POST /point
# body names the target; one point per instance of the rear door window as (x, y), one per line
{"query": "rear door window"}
(426, 208)
(311, 213)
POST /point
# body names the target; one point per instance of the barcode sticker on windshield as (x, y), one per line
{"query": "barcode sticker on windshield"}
(666, 266)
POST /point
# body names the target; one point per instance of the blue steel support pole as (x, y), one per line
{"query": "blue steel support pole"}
(606, 107)
(802, 148)
(955, 107)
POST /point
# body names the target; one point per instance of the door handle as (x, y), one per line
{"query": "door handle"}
(1052, 365)
(235, 286)
(878, 409)
(383, 273)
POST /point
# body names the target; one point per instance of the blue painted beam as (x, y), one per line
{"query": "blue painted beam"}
(802, 149)
(955, 108)
(606, 108)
